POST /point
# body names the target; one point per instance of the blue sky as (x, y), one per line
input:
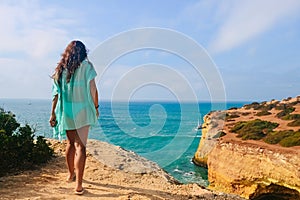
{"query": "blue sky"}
(254, 44)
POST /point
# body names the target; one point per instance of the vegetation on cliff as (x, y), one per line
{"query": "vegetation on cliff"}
(294, 123)
(258, 129)
(228, 117)
(285, 138)
(18, 148)
(263, 113)
(254, 130)
(294, 117)
(285, 111)
(285, 107)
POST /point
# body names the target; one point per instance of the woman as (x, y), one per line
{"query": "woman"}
(74, 107)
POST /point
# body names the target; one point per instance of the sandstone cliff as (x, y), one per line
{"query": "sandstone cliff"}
(211, 130)
(252, 169)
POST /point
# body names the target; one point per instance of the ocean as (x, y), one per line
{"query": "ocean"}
(164, 132)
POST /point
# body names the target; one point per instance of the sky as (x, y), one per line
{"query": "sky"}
(254, 45)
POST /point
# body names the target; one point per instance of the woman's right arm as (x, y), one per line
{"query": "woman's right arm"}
(52, 119)
(94, 93)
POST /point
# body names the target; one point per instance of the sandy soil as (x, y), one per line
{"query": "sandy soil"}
(100, 181)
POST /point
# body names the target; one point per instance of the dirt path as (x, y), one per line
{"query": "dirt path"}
(100, 182)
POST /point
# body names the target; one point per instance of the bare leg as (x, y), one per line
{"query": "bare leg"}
(80, 147)
(70, 153)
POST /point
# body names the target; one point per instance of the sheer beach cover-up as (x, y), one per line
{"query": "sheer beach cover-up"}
(75, 106)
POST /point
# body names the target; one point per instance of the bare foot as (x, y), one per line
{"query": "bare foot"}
(71, 178)
(80, 192)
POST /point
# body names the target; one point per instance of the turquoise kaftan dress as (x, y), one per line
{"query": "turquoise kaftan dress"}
(75, 106)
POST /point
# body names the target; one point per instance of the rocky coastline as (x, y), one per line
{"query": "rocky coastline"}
(250, 168)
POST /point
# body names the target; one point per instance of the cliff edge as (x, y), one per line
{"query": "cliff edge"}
(253, 151)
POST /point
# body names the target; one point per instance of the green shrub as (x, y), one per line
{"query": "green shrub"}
(270, 106)
(245, 113)
(294, 123)
(276, 137)
(261, 106)
(238, 126)
(285, 111)
(287, 138)
(287, 99)
(18, 149)
(295, 102)
(293, 140)
(219, 134)
(254, 105)
(281, 106)
(291, 117)
(263, 113)
(8, 123)
(41, 151)
(231, 116)
(255, 129)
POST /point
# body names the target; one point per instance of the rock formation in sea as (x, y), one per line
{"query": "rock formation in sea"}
(253, 151)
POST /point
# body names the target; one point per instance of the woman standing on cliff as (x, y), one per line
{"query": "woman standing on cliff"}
(74, 107)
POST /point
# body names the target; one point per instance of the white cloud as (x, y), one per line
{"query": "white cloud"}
(247, 19)
(43, 42)
(32, 38)
(32, 29)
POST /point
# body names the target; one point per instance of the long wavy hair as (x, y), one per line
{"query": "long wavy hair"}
(71, 59)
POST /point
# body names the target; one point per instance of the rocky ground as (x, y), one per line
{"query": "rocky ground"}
(110, 173)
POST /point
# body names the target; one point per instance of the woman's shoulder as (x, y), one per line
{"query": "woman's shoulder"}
(87, 67)
(87, 64)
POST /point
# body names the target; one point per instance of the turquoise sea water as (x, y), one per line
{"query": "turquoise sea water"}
(163, 132)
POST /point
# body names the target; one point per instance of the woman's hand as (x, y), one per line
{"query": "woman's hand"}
(52, 120)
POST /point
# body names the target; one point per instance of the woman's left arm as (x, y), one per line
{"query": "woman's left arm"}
(52, 119)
